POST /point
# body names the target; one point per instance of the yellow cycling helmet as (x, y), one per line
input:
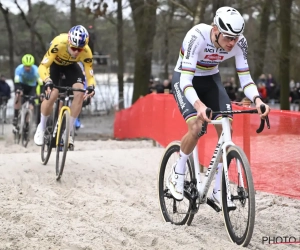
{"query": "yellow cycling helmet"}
(28, 60)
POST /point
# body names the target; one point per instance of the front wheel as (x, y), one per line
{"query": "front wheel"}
(239, 210)
(17, 130)
(176, 212)
(26, 128)
(47, 146)
(63, 144)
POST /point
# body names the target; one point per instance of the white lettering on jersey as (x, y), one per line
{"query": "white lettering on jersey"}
(179, 95)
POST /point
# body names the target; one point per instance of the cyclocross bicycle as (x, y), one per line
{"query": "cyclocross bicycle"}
(236, 187)
(58, 136)
(22, 131)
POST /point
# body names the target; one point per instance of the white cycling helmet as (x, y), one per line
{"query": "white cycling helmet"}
(78, 36)
(229, 21)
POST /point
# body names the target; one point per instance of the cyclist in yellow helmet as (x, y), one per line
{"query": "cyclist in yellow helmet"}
(26, 79)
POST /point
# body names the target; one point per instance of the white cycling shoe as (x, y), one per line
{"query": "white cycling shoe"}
(175, 183)
(39, 136)
(216, 197)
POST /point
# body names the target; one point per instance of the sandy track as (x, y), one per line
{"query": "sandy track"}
(107, 199)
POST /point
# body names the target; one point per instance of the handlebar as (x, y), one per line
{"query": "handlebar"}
(26, 97)
(250, 111)
(68, 90)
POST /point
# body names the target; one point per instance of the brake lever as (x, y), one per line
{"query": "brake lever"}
(263, 121)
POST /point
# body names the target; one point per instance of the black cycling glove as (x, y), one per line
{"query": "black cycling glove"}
(90, 90)
(48, 83)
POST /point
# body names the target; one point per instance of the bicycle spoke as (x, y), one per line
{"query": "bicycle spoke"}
(176, 212)
(239, 211)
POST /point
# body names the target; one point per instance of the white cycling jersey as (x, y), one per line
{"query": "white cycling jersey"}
(199, 57)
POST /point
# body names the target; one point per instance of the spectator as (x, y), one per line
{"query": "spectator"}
(262, 79)
(294, 95)
(292, 84)
(246, 102)
(271, 87)
(230, 90)
(150, 85)
(158, 86)
(4, 94)
(262, 91)
(167, 86)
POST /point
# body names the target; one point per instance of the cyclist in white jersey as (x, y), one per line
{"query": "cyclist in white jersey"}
(196, 84)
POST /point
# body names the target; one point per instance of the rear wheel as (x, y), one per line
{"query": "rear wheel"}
(240, 220)
(63, 143)
(176, 212)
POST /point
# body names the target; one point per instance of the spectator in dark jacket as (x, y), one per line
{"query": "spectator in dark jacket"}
(4, 95)
(4, 90)
(271, 87)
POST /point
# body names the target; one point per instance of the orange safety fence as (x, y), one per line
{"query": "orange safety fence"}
(274, 154)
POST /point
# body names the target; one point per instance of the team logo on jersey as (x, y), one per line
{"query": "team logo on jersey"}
(228, 107)
(214, 57)
(191, 42)
(178, 95)
(244, 47)
(209, 50)
(88, 60)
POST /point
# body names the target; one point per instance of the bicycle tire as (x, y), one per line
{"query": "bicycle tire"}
(26, 128)
(163, 191)
(243, 197)
(46, 148)
(64, 129)
(17, 134)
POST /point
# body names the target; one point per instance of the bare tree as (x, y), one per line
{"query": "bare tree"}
(262, 38)
(32, 24)
(285, 49)
(73, 13)
(144, 17)
(29, 25)
(120, 48)
(5, 13)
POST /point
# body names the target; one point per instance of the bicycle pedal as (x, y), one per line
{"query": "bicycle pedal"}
(211, 203)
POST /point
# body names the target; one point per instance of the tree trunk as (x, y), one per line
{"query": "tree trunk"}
(144, 17)
(285, 46)
(28, 24)
(260, 49)
(200, 11)
(32, 35)
(5, 13)
(120, 54)
(217, 4)
(73, 13)
(169, 18)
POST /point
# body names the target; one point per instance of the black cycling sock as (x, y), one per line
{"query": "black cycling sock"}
(16, 113)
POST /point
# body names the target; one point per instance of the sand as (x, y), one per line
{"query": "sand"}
(107, 199)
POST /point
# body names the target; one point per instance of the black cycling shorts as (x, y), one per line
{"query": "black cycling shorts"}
(210, 91)
(71, 74)
(27, 90)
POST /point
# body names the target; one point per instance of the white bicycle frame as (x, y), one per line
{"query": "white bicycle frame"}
(25, 106)
(224, 141)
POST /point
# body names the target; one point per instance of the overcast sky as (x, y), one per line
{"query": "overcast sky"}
(60, 4)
